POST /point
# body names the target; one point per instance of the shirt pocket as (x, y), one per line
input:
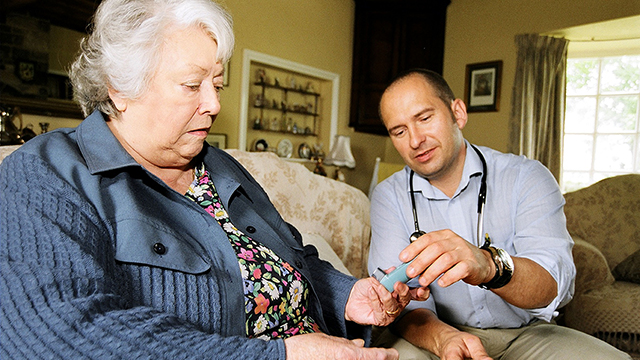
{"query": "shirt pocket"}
(152, 243)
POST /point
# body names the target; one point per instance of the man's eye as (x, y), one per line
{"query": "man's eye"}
(193, 87)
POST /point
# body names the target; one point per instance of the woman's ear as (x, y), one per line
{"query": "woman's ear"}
(459, 110)
(118, 101)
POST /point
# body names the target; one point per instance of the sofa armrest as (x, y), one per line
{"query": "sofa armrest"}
(592, 269)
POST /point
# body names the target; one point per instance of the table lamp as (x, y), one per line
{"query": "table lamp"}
(340, 155)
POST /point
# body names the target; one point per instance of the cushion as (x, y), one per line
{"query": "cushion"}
(325, 252)
(629, 269)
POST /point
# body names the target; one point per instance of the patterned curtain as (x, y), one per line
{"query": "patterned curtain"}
(537, 117)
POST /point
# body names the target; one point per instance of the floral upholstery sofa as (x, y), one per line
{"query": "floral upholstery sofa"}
(321, 208)
(604, 221)
(331, 215)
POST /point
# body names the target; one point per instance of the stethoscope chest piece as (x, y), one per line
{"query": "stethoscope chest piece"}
(416, 235)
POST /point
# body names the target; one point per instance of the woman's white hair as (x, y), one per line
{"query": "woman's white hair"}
(122, 50)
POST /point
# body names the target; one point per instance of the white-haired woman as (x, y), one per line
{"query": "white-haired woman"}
(129, 236)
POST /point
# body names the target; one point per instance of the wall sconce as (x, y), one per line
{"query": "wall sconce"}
(340, 155)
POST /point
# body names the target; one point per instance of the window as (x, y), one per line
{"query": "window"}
(601, 129)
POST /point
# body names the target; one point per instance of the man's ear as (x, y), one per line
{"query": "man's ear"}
(118, 101)
(459, 110)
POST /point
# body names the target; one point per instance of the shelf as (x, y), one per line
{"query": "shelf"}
(285, 111)
(285, 132)
(299, 91)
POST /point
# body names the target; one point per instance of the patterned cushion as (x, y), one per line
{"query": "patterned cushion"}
(604, 220)
(315, 204)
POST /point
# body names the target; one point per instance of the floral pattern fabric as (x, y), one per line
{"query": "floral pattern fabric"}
(276, 295)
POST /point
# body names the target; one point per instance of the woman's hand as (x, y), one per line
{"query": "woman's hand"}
(322, 346)
(371, 304)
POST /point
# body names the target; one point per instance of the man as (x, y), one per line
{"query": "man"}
(496, 275)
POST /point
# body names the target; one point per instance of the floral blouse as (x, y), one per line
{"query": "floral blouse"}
(276, 296)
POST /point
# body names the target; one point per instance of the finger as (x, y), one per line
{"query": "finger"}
(358, 342)
(420, 294)
(456, 273)
(402, 293)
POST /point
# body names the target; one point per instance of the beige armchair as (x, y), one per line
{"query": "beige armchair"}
(604, 221)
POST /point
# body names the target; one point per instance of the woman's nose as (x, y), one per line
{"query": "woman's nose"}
(209, 100)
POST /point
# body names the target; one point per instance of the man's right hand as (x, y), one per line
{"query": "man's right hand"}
(459, 345)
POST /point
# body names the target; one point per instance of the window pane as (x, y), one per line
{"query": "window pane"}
(617, 113)
(577, 152)
(573, 180)
(614, 153)
(582, 76)
(580, 114)
(620, 74)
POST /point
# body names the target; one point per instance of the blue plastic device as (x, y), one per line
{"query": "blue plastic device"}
(398, 274)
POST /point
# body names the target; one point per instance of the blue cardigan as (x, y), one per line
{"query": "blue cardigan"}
(79, 219)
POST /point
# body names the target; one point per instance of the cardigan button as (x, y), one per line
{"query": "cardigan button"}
(299, 264)
(251, 229)
(159, 249)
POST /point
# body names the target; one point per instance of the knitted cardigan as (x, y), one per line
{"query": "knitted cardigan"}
(79, 219)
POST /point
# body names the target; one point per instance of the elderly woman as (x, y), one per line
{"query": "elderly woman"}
(129, 236)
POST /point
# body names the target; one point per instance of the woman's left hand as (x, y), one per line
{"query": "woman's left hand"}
(371, 304)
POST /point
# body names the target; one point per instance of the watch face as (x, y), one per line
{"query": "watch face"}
(285, 148)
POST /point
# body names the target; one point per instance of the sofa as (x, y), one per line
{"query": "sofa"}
(331, 215)
(604, 221)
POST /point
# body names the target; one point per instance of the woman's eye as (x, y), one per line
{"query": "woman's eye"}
(193, 87)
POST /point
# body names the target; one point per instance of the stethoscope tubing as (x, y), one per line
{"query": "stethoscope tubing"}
(482, 200)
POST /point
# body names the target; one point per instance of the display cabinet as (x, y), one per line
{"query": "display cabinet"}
(287, 107)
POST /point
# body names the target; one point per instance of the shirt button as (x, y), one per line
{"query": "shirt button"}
(159, 248)
(299, 264)
(251, 229)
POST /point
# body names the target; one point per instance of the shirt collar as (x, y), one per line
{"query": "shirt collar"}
(100, 148)
(472, 168)
(103, 152)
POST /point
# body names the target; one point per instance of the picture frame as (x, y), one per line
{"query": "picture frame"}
(482, 86)
(217, 140)
(225, 78)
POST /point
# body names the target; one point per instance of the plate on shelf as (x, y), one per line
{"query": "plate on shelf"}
(304, 151)
(260, 145)
(285, 148)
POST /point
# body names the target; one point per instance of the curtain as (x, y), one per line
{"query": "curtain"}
(537, 111)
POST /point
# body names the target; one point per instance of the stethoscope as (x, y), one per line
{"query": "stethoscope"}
(482, 199)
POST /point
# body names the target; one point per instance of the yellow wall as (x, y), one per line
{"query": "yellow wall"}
(319, 33)
(479, 31)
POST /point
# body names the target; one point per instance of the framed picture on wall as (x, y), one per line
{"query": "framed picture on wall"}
(217, 140)
(225, 78)
(482, 86)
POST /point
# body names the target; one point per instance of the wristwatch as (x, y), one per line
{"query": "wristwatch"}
(504, 267)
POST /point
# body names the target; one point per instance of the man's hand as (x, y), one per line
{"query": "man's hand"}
(459, 345)
(422, 328)
(445, 253)
(322, 346)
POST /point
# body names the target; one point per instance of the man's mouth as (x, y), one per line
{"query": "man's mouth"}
(424, 155)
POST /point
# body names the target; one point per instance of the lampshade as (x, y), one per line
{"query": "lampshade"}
(340, 154)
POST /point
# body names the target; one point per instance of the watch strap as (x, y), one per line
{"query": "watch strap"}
(504, 268)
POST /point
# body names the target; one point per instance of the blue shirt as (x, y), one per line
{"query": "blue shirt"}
(523, 215)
